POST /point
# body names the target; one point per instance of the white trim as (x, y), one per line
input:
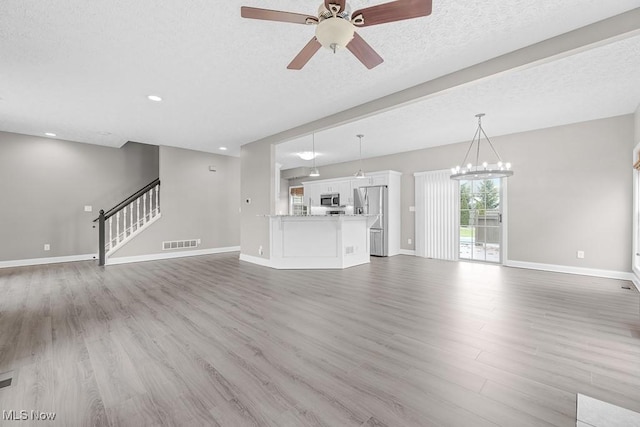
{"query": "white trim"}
(635, 221)
(410, 252)
(170, 255)
(264, 262)
(635, 280)
(52, 260)
(610, 274)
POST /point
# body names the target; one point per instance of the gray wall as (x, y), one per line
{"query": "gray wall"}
(195, 203)
(257, 184)
(572, 190)
(45, 184)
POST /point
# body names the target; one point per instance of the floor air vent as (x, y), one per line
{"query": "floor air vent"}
(180, 244)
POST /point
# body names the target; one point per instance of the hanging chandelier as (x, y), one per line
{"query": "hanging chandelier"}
(484, 170)
(360, 173)
(314, 170)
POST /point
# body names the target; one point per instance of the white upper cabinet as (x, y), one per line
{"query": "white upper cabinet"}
(373, 178)
(312, 191)
(345, 186)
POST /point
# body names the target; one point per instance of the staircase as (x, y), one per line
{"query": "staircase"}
(127, 219)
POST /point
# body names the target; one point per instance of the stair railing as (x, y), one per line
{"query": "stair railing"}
(118, 225)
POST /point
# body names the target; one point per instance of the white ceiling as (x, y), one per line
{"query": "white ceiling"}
(83, 70)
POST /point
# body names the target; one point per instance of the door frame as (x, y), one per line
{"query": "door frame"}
(503, 229)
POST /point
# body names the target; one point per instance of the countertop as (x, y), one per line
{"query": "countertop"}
(318, 216)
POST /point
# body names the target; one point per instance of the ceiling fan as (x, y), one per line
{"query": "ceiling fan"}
(336, 26)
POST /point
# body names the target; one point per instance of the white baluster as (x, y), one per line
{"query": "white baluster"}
(138, 213)
(124, 222)
(144, 208)
(117, 227)
(157, 199)
(150, 192)
(131, 218)
(110, 232)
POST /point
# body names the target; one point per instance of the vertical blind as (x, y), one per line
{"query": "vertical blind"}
(437, 215)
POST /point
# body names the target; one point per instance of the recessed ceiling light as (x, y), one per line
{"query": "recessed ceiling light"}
(223, 148)
(155, 98)
(307, 155)
(50, 134)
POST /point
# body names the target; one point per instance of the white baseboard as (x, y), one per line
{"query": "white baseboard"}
(255, 260)
(169, 255)
(635, 280)
(407, 252)
(42, 261)
(610, 274)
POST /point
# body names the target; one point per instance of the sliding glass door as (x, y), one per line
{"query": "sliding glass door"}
(481, 220)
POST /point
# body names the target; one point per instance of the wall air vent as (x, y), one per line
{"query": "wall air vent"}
(180, 244)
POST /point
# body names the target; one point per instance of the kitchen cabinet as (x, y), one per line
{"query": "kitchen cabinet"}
(315, 189)
(375, 178)
(344, 186)
(319, 241)
(345, 191)
(312, 191)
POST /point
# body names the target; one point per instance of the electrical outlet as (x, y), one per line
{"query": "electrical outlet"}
(580, 254)
(47, 247)
(409, 241)
(260, 251)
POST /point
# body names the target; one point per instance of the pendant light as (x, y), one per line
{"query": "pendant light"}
(469, 171)
(360, 173)
(314, 170)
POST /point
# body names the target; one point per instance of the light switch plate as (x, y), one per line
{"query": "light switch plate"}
(47, 247)
(88, 208)
(412, 208)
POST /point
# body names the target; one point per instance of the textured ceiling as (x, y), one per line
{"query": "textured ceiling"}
(602, 82)
(83, 69)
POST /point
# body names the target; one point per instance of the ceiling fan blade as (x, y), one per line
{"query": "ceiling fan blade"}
(391, 12)
(305, 55)
(335, 6)
(276, 15)
(364, 52)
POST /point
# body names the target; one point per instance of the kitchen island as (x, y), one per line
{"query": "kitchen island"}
(319, 241)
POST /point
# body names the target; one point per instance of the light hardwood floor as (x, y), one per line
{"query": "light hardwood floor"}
(403, 341)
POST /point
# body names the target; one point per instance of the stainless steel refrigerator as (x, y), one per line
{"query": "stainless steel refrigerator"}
(374, 201)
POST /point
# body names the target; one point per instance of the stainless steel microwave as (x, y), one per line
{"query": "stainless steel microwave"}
(332, 199)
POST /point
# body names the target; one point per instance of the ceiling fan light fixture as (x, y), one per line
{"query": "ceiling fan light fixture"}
(335, 33)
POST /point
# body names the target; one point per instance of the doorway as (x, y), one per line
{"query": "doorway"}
(481, 219)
